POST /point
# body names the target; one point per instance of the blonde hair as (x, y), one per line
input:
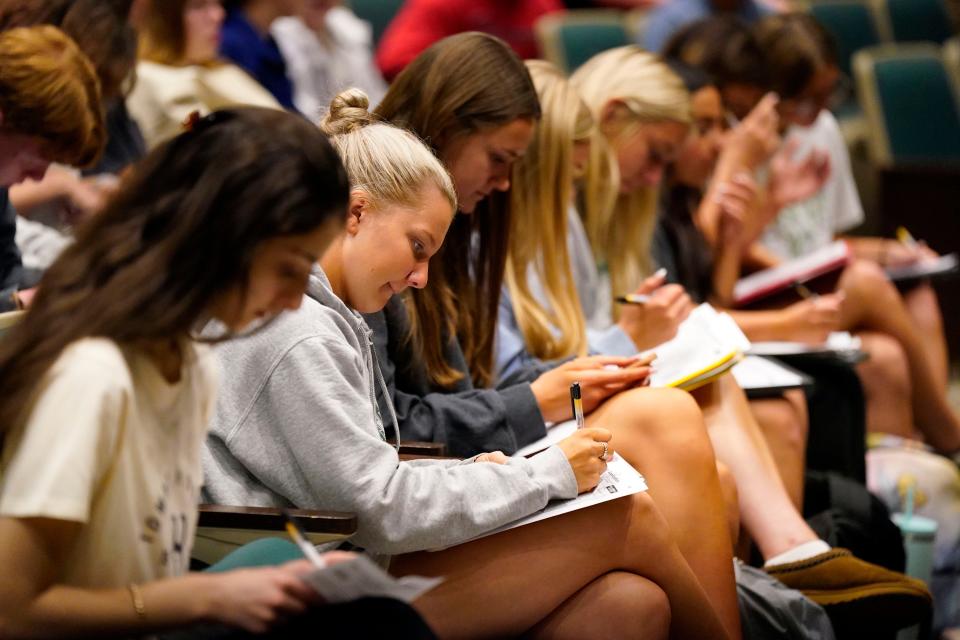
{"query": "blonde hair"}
(620, 226)
(540, 198)
(49, 90)
(390, 165)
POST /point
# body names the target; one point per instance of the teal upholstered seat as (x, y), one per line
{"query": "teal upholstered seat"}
(571, 38)
(378, 13)
(911, 102)
(919, 20)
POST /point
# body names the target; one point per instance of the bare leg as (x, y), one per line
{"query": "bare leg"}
(765, 507)
(784, 423)
(505, 584)
(874, 303)
(728, 485)
(924, 308)
(617, 605)
(886, 385)
(661, 433)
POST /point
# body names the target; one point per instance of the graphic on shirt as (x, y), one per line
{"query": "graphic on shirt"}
(166, 529)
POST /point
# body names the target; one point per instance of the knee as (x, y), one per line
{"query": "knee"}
(887, 365)
(669, 419)
(648, 523)
(864, 273)
(637, 606)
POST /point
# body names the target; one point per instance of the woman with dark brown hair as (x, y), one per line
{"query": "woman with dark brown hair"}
(180, 71)
(108, 391)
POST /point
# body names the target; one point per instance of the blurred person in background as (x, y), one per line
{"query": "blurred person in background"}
(247, 42)
(180, 70)
(420, 23)
(49, 207)
(673, 15)
(327, 49)
(50, 111)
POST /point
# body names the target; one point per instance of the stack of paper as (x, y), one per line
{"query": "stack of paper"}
(925, 269)
(707, 345)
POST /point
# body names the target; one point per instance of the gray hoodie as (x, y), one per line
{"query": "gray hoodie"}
(297, 424)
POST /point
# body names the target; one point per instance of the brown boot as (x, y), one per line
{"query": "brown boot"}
(857, 594)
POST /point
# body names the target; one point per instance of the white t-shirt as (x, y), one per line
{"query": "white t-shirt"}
(815, 222)
(320, 69)
(164, 96)
(109, 443)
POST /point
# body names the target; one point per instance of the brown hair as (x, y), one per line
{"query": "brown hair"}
(100, 28)
(49, 90)
(463, 84)
(795, 47)
(163, 36)
(183, 229)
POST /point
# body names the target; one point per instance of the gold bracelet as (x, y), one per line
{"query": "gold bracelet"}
(137, 597)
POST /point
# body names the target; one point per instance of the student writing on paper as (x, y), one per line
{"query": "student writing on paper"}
(906, 377)
(643, 113)
(107, 392)
(664, 427)
(298, 424)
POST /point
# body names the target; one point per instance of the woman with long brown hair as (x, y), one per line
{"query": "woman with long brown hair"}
(108, 390)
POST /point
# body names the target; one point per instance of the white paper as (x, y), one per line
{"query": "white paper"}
(762, 373)
(705, 338)
(943, 264)
(618, 481)
(838, 341)
(362, 577)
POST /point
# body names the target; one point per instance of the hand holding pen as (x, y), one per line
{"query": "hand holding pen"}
(600, 377)
(652, 315)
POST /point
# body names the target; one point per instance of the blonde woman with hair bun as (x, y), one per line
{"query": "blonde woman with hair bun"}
(298, 424)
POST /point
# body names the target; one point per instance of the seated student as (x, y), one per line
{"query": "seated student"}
(179, 71)
(421, 23)
(248, 43)
(107, 392)
(298, 424)
(669, 17)
(50, 111)
(643, 112)
(327, 49)
(50, 207)
(903, 334)
(481, 118)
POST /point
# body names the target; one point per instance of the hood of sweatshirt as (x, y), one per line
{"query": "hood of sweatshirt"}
(320, 290)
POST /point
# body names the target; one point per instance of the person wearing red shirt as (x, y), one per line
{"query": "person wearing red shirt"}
(420, 23)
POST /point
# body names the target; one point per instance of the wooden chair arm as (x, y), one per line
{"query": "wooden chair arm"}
(271, 519)
(423, 449)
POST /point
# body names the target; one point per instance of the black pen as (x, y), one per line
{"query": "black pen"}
(577, 404)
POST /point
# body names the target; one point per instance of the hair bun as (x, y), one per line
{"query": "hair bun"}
(349, 111)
